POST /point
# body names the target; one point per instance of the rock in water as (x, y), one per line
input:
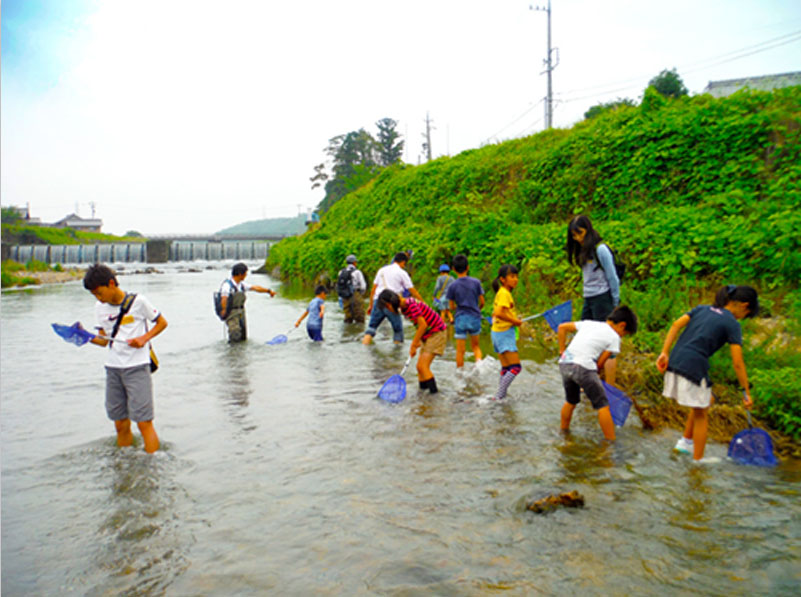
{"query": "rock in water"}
(571, 499)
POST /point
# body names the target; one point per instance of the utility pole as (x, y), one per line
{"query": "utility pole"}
(549, 66)
(427, 136)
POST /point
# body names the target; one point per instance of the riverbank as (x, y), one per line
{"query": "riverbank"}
(16, 274)
(637, 375)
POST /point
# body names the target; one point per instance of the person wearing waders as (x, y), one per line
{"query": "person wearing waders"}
(232, 302)
(351, 286)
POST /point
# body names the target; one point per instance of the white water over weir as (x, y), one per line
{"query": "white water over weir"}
(218, 251)
(138, 252)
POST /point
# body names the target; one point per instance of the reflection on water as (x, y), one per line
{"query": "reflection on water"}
(283, 473)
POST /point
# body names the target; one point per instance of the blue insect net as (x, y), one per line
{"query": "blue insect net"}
(752, 446)
(559, 314)
(74, 333)
(394, 389)
(619, 404)
(279, 339)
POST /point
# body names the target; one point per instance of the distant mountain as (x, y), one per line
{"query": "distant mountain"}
(268, 227)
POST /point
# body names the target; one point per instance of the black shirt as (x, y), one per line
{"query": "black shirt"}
(709, 328)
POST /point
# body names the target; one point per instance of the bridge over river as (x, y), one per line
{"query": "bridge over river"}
(155, 249)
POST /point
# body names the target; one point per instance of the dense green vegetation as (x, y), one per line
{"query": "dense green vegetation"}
(16, 274)
(691, 192)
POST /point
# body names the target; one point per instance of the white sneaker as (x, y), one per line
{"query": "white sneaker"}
(708, 460)
(684, 446)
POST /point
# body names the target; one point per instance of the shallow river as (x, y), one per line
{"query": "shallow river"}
(283, 474)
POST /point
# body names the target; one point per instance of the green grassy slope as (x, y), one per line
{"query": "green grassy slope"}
(691, 193)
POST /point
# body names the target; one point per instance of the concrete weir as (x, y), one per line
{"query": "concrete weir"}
(158, 251)
(151, 251)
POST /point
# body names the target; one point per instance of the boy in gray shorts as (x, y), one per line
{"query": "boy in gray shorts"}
(124, 318)
(594, 343)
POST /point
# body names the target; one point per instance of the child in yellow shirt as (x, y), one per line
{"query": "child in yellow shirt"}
(504, 321)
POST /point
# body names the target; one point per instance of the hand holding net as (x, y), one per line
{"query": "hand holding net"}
(74, 334)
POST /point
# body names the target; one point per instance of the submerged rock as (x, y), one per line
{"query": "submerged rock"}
(571, 499)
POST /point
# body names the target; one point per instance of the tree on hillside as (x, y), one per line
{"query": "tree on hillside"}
(669, 84)
(605, 107)
(390, 148)
(10, 215)
(355, 161)
(320, 176)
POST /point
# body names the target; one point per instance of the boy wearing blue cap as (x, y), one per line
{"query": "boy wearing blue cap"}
(440, 303)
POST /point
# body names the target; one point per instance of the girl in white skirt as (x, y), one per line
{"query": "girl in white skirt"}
(686, 371)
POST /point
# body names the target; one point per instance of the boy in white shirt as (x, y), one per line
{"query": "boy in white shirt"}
(129, 389)
(395, 278)
(579, 364)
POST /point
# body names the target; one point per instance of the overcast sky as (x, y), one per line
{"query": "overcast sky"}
(175, 116)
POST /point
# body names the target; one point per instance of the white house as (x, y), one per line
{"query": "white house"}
(762, 83)
(78, 223)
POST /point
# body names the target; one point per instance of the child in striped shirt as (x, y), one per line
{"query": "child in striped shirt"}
(430, 336)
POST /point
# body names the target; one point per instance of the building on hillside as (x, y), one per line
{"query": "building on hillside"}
(762, 83)
(76, 222)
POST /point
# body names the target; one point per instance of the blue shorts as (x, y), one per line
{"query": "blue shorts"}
(466, 324)
(315, 334)
(504, 341)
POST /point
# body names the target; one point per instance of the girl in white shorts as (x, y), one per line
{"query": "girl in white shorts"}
(708, 328)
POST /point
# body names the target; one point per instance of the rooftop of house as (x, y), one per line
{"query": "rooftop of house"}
(761, 82)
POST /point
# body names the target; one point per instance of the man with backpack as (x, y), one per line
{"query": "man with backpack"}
(351, 286)
(229, 302)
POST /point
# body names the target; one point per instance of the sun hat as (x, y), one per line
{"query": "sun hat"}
(350, 259)
(444, 268)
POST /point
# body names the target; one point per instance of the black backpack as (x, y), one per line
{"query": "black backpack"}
(218, 302)
(345, 283)
(620, 268)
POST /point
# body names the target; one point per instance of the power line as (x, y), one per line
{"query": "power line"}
(795, 35)
(636, 82)
(687, 71)
(515, 121)
(738, 57)
(530, 128)
(714, 61)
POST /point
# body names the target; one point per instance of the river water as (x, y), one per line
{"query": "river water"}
(282, 473)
